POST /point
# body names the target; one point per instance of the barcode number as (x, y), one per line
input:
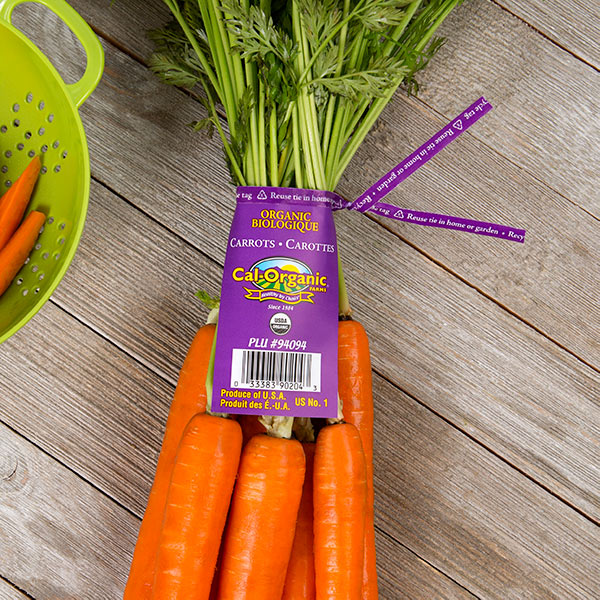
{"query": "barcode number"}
(262, 369)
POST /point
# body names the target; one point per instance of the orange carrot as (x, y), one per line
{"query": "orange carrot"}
(251, 426)
(14, 254)
(356, 391)
(189, 399)
(340, 498)
(300, 578)
(196, 508)
(15, 200)
(260, 530)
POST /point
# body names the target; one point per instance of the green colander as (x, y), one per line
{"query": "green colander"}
(38, 115)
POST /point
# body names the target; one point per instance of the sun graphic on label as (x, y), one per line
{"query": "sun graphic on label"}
(282, 274)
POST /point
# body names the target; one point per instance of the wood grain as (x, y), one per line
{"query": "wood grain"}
(461, 349)
(92, 407)
(59, 537)
(573, 25)
(544, 99)
(550, 282)
(475, 518)
(8, 592)
(404, 576)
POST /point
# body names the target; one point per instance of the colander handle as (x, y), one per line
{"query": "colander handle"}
(80, 90)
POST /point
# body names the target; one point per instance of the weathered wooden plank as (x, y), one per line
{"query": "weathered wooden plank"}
(553, 285)
(8, 592)
(545, 99)
(95, 409)
(573, 25)
(402, 576)
(473, 517)
(205, 228)
(59, 537)
(442, 495)
(38, 536)
(538, 90)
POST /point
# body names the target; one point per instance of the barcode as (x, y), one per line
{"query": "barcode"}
(262, 369)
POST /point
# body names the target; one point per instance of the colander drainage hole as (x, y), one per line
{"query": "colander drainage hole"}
(61, 240)
(45, 255)
(31, 153)
(8, 183)
(43, 170)
(50, 220)
(20, 146)
(4, 168)
(16, 107)
(36, 291)
(35, 269)
(41, 105)
(29, 98)
(25, 292)
(57, 169)
(57, 256)
(50, 117)
(28, 135)
(19, 281)
(38, 246)
(62, 226)
(41, 131)
(16, 123)
(44, 148)
(26, 260)
(41, 276)
(3, 129)
(64, 154)
(8, 154)
(56, 144)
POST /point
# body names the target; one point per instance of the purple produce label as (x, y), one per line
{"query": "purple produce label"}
(276, 351)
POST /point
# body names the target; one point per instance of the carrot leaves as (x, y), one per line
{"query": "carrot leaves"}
(299, 83)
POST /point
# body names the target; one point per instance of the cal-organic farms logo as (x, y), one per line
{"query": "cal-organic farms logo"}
(281, 278)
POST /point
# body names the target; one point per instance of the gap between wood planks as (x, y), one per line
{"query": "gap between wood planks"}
(16, 588)
(429, 257)
(140, 59)
(139, 516)
(430, 565)
(556, 43)
(158, 372)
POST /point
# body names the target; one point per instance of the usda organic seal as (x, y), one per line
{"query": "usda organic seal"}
(280, 323)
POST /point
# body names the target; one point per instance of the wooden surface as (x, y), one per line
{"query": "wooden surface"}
(486, 354)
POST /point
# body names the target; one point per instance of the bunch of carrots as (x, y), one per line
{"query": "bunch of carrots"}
(239, 510)
(18, 235)
(257, 509)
